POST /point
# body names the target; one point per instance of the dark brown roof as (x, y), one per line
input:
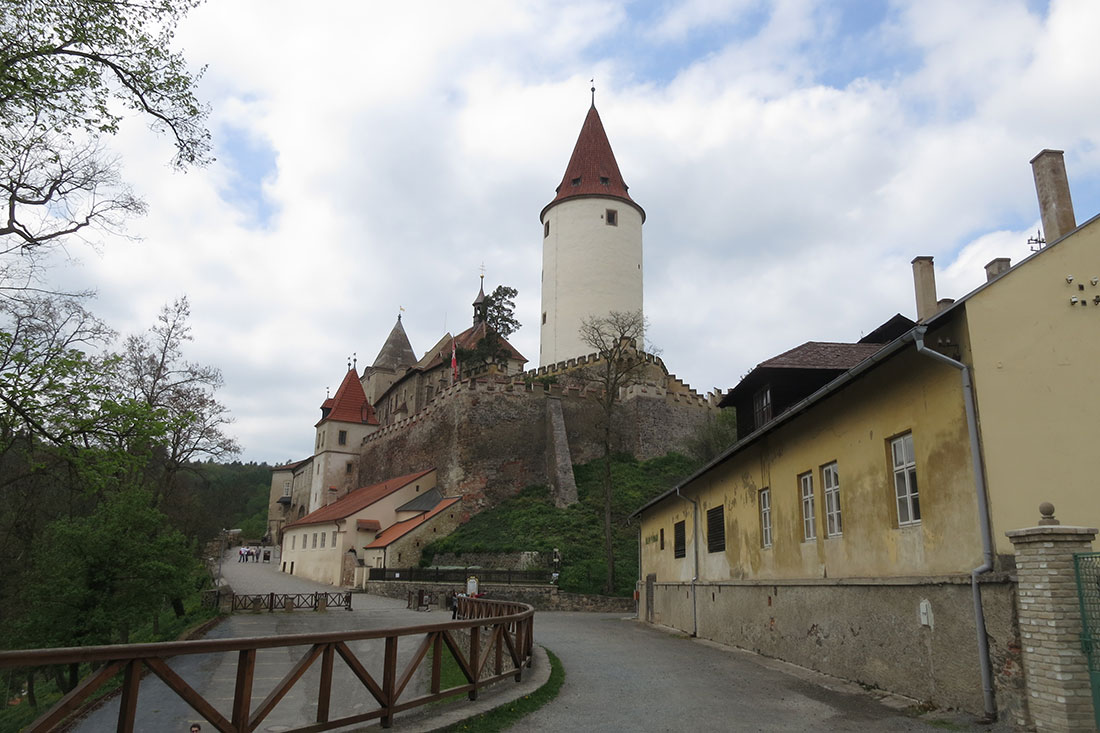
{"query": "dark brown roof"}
(292, 465)
(349, 404)
(592, 170)
(821, 355)
(358, 499)
(397, 352)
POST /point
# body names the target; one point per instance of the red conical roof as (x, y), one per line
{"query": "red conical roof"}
(592, 170)
(349, 404)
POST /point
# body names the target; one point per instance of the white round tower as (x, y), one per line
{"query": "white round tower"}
(591, 246)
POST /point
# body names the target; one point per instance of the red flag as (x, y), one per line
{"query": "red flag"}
(454, 359)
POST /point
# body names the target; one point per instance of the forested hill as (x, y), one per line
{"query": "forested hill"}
(213, 496)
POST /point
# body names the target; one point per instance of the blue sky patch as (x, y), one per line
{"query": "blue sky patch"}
(250, 160)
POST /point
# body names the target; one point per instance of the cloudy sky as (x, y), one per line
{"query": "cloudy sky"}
(792, 158)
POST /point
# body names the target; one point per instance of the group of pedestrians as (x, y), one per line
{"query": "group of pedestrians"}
(248, 554)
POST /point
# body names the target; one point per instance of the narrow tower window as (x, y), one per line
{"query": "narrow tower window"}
(546, 229)
(612, 217)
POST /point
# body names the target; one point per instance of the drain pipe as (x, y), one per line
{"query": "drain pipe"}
(983, 517)
(695, 548)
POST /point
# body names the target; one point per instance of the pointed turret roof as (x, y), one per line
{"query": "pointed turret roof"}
(480, 313)
(397, 351)
(349, 404)
(592, 170)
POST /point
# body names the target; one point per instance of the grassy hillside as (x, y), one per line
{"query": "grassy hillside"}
(529, 521)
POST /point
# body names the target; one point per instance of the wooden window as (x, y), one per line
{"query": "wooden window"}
(716, 529)
(762, 406)
(342, 438)
(323, 540)
(679, 540)
(809, 522)
(765, 500)
(314, 547)
(905, 479)
(830, 484)
(612, 217)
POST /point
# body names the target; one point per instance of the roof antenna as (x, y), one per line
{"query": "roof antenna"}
(593, 81)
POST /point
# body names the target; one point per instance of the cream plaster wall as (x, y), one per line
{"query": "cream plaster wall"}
(588, 269)
(1036, 363)
(325, 564)
(331, 460)
(854, 428)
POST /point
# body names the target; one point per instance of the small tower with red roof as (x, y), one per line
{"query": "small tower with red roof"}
(346, 418)
(591, 246)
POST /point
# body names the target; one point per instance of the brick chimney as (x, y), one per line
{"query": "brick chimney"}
(996, 267)
(1052, 187)
(924, 284)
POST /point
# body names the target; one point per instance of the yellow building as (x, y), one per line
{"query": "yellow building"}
(858, 525)
(330, 543)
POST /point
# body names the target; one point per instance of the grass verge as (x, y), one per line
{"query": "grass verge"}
(509, 714)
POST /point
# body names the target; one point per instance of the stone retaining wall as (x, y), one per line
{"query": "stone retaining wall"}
(542, 597)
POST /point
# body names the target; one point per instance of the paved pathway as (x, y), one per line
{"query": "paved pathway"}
(620, 675)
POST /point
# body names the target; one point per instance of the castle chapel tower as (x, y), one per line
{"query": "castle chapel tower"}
(591, 246)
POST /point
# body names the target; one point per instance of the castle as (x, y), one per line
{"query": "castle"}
(490, 428)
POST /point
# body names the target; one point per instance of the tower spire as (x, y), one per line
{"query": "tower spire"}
(593, 80)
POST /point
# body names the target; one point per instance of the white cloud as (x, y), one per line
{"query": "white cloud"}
(411, 143)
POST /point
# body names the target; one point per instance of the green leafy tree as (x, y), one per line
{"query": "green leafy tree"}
(69, 71)
(499, 315)
(99, 576)
(500, 310)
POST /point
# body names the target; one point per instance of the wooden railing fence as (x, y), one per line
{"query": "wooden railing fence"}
(500, 644)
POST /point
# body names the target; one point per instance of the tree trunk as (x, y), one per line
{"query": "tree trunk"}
(177, 607)
(74, 674)
(31, 697)
(609, 587)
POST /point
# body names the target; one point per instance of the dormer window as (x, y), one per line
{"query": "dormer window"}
(576, 181)
(762, 406)
(605, 181)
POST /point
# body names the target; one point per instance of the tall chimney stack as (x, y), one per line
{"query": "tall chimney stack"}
(924, 284)
(1052, 187)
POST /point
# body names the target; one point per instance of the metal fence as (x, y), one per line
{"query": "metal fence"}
(459, 575)
(1087, 567)
(290, 601)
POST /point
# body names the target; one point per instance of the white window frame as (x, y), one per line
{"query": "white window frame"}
(809, 517)
(286, 488)
(293, 540)
(906, 494)
(323, 536)
(830, 485)
(765, 517)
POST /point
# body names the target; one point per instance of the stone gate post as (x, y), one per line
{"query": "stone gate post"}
(1055, 668)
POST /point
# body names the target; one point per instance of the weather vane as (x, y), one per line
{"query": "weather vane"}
(593, 82)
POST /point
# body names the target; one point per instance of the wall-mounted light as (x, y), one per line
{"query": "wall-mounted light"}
(1073, 300)
(1069, 278)
(1095, 280)
(1096, 300)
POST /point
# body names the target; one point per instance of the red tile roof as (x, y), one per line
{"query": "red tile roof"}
(349, 404)
(400, 529)
(371, 524)
(468, 340)
(357, 500)
(592, 170)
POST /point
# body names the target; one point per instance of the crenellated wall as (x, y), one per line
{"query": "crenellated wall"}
(487, 436)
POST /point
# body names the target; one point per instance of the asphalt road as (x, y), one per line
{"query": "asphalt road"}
(621, 675)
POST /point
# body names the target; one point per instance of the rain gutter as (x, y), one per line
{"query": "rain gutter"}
(983, 516)
(695, 549)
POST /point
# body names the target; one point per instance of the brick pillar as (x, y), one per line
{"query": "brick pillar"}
(1055, 667)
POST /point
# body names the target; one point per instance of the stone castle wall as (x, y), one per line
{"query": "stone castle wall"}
(487, 437)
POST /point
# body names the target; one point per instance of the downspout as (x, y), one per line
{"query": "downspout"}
(983, 517)
(638, 581)
(695, 548)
